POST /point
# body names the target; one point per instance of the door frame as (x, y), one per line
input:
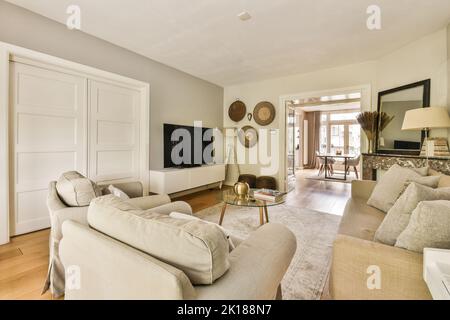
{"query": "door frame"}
(8, 52)
(366, 105)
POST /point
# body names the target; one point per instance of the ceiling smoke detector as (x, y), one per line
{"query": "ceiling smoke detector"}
(244, 16)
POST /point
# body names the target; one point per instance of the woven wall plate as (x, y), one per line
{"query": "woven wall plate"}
(248, 136)
(264, 113)
(237, 111)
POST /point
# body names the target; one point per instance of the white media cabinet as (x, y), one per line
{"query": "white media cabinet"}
(173, 180)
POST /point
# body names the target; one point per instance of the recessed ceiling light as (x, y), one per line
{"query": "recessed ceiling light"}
(244, 16)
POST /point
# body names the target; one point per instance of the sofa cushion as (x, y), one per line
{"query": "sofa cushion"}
(398, 217)
(393, 183)
(360, 220)
(429, 227)
(444, 182)
(76, 190)
(199, 249)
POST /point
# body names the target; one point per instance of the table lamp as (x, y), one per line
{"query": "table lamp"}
(426, 119)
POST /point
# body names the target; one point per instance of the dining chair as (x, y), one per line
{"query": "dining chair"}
(354, 162)
(322, 167)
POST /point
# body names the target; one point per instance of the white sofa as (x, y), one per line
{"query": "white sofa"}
(113, 261)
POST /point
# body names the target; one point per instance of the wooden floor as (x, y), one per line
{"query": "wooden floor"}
(24, 261)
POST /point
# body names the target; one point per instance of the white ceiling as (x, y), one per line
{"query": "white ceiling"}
(206, 39)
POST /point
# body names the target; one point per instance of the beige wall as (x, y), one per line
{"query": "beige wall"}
(420, 60)
(175, 96)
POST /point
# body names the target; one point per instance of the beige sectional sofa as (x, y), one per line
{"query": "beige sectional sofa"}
(354, 251)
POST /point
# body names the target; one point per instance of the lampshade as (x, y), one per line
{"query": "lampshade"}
(426, 118)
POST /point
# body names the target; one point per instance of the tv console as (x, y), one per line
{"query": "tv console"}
(173, 180)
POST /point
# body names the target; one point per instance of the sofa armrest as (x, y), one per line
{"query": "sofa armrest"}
(400, 271)
(109, 269)
(177, 206)
(363, 188)
(77, 214)
(257, 266)
(150, 202)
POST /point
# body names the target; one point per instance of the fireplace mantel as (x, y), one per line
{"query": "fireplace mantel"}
(378, 161)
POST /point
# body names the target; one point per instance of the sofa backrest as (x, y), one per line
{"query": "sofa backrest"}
(197, 248)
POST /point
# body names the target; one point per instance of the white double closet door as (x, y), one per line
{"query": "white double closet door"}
(59, 122)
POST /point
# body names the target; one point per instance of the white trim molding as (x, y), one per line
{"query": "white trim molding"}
(4, 154)
(9, 52)
(366, 102)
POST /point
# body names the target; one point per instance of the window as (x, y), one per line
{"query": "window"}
(339, 131)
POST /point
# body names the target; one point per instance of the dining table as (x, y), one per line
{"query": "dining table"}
(343, 156)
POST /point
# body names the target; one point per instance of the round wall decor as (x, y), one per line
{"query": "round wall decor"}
(248, 136)
(264, 113)
(237, 111)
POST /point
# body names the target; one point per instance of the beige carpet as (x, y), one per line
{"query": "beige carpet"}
(315, 232)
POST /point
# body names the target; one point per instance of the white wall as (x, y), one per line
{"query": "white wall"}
(420, 60)
(423, 59)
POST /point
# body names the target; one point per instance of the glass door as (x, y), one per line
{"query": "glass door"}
(354, 139)
(290, 147)
(337, 138)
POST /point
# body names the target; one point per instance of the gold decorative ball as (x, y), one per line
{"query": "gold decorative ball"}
(241, 189)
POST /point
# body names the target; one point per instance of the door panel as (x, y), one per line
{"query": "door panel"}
(114, 132)
(48, 137)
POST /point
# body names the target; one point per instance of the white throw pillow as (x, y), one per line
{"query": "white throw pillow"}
(118, 193)
(393, 183)
(398, 216)
(429, 227)
(76, 190)
(197, 248)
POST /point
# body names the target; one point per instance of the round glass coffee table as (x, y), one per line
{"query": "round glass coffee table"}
(230, 198)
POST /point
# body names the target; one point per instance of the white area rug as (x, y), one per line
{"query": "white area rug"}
(315, 232)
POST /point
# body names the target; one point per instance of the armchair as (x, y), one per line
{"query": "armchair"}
(60, 212)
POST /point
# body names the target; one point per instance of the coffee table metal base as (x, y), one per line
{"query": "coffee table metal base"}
(263, 214)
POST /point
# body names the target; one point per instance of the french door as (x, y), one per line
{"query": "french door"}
(340, 132)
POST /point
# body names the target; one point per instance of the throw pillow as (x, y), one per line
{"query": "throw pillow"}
(392, 184)
(76, 190)
(178, 215)
(118, 193)
(429, 227)
(199, 249)
(398, 216)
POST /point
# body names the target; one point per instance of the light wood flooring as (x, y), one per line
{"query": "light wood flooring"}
(24, 261)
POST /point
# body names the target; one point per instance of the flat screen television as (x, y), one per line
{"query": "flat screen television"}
(186, 146)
